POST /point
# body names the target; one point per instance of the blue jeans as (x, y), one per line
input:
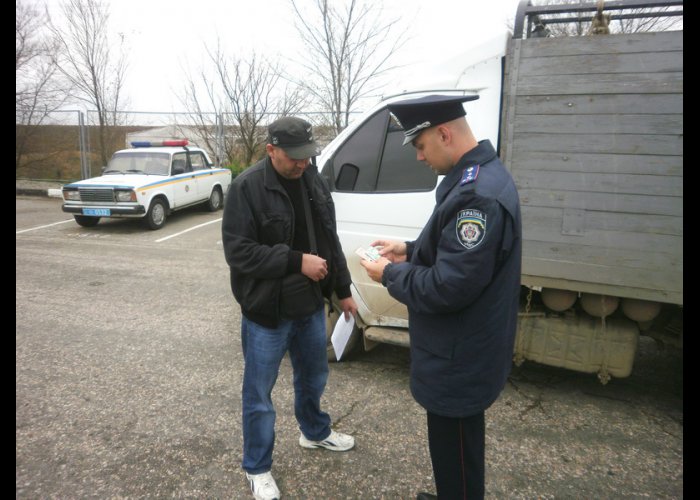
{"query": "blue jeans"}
(263, 350)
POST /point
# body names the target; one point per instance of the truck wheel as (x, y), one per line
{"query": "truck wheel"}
(157, 213)
(215, 200)
(86, 220)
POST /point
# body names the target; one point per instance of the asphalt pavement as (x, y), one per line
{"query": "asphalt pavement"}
(129, 369)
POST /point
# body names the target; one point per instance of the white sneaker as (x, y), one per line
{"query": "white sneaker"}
(336, 441)
(263, 486)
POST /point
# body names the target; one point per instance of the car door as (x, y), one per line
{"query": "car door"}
(380, 191)
(183, 181)
(203, 172)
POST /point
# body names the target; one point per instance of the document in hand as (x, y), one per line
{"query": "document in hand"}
(341, 335)
(371, 254)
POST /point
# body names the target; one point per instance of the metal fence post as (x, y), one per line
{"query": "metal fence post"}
(84, 164)
(87, 143)
(219, 139)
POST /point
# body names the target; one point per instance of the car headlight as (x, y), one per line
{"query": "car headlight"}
(71, 195)
(124, 195)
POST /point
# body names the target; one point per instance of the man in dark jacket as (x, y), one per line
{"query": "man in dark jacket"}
(281, 244)
(460, 281)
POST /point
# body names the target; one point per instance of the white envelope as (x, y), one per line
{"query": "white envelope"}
(341, 334)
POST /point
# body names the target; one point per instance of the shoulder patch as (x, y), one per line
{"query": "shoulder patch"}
(469, 175)
(471, 227)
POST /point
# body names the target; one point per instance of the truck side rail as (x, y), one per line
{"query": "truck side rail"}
(544, 15)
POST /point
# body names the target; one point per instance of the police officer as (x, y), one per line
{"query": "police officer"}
(460, 281)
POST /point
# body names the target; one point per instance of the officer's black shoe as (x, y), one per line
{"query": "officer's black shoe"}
(426, 496)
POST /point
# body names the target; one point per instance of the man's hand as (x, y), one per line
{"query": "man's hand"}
(348, 306)
(376, 269)
(395, 251)
(314, 267)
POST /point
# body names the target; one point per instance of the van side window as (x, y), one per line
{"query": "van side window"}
(400, 171)
(373, 159)
(358, 158)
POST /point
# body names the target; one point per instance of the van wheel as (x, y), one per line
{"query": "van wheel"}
(86, 220)
(157, 213)
(352, 347)
(215, 200)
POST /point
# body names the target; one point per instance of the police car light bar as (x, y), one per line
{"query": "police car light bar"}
(153, 144)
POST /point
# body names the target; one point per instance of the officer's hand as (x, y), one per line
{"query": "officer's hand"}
(314, 267)
(395, 251)
(375, 269)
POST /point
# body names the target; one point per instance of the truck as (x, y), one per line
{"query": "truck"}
(591, 129)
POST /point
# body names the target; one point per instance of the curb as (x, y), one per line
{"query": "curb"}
(32, 191)
(53, 193)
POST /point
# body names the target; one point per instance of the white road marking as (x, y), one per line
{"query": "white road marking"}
(188, 230)
(42, 227)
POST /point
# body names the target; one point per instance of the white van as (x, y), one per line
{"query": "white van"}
(381, 190)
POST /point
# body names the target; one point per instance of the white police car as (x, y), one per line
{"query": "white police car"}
(149, 181)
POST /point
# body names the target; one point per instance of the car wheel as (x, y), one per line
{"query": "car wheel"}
(86, 221)
(332, 316)
(215, 200)
(157, 213)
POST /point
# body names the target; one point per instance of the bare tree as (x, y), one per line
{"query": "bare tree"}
(38, 89)
(206, 123)
(245, 93)
(88, 60)
(28, 46)
(347, 48)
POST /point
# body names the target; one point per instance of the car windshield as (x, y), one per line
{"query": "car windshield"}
(139, 163)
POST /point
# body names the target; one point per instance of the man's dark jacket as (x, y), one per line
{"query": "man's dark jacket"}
(257, 233)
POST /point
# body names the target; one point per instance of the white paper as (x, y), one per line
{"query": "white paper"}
(341, 334)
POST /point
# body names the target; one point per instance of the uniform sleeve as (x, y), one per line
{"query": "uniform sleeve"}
(468, 242)
(241, 237)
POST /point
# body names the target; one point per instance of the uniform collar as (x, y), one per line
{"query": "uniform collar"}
(481, 154)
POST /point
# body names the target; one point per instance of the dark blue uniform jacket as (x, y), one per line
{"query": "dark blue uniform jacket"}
(461, 284)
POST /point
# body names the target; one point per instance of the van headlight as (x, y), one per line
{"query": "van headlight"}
(125, 195)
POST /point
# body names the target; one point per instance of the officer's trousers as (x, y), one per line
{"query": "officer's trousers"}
(457, 453)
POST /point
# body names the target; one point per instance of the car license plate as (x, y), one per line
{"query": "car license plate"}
(102, 212)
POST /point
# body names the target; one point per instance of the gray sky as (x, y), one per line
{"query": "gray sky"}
(168, 35)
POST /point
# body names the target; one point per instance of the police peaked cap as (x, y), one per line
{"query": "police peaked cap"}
(416, 115)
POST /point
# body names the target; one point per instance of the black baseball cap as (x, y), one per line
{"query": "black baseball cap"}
(416, 115)
(295, 136)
